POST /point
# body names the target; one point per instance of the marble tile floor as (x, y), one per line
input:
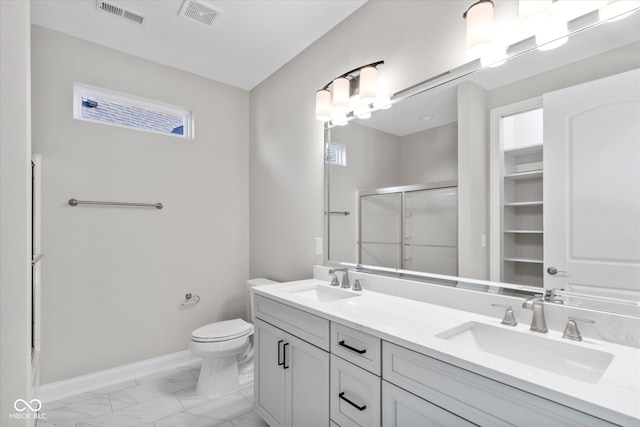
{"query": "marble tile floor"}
(164, 399)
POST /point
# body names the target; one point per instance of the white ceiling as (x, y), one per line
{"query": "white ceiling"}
(248, 42)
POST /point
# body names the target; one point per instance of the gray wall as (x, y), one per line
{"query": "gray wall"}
(373, 161)
(430, 155)
(416, 40)
(113, 277)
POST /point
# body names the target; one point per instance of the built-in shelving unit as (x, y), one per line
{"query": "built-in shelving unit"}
(520, 196)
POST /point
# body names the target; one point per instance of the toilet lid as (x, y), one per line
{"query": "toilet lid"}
(225, 330)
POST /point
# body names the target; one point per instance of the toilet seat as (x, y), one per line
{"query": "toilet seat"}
(222, 331)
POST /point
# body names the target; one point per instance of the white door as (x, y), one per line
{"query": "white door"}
(592, 186)
(307, 369)
(269, 382)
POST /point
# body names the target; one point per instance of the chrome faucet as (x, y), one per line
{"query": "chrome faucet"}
(538, 324)
(345, 277)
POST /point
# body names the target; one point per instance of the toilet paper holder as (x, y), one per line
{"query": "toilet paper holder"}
(189, 300)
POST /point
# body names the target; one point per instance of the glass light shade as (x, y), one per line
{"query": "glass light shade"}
(340, 101)
(368, 84)
(534, 15)
(323, 105)
(617, 9)
(479, 28)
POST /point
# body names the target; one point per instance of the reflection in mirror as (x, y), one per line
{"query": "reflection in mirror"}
(416, 145)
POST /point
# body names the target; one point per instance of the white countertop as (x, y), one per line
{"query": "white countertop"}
(414, 325)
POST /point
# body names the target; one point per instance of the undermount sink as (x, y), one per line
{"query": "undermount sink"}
(322, 293)
(566, 359)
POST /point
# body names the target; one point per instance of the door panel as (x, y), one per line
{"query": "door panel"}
(269, 392)
(592, 186)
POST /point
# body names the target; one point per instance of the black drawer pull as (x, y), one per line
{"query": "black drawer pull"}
(284, 348)
(359, 408)
(355, 350)
(280, 363)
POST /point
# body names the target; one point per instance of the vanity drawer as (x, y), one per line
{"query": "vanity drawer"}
(357, 347)
(306, 326)
(355, 395)
(473, 397)
(403, 409)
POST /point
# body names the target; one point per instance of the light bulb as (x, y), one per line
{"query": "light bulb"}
(340, 102)
(368, 84)
(479, 28)
(534, 15)
(323, 105)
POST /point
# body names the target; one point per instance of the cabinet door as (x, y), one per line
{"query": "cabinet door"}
(307, 378)
(269, 381)
(403, 409)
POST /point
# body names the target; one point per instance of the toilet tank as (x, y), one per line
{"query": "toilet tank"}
(250, 284)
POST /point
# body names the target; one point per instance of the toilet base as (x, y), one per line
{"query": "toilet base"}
(218, 375)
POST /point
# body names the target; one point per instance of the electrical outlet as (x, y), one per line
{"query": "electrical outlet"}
(318, 245)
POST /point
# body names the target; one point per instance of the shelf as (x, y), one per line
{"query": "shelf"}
(527, 260)
(524, 231)
(532, 203)
(524, 175)
(525, 151)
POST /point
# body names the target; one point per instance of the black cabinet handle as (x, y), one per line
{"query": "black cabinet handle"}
(359, 408)
(348, 347)
(280, 363)
(284, 348)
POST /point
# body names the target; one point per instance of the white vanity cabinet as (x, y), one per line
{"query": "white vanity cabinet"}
(291, 386)
(315, 371)
(472, 397)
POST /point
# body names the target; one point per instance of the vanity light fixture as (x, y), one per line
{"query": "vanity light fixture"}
(480, 34)
(352, 95)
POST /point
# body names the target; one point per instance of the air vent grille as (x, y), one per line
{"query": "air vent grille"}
(120, 12)
(199, 12)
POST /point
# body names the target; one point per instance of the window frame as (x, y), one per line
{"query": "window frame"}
(81, 90)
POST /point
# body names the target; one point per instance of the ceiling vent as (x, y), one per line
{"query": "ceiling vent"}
(199, 12)
(121, 12)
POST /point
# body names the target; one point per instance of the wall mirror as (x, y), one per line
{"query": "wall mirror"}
(387, 176)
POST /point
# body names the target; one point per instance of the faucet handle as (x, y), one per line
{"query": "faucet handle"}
(334, 281)
(509, 319)
(345, 279)
(571, 331)
(356, 285)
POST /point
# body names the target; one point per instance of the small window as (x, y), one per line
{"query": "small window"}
(105, 106)
(336, 154)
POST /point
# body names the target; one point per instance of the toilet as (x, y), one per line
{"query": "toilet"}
(222, 345)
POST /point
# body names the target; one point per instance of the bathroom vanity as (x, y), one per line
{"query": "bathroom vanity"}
(332, 356)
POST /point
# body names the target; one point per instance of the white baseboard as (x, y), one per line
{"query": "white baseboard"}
(65, 388)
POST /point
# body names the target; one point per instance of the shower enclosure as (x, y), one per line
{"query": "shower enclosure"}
(413, 227)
